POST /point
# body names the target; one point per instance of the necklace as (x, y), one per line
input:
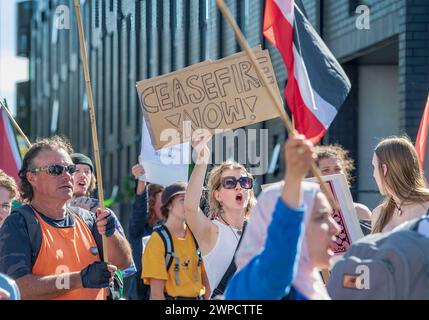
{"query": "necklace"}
(239, 231)
(399, 208)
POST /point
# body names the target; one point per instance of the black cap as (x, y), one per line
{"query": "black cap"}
(79, 158)
(173, 190)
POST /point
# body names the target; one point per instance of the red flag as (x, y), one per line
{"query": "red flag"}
(317, 85)
(422, 136)
(10, 158)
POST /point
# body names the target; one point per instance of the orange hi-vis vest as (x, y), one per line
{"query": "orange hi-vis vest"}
(66, 250)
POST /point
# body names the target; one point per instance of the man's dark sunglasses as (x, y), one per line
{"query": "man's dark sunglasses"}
(56, 169)
(231, 182)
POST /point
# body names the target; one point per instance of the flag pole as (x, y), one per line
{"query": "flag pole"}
(286, 120)
(17, 127)
(421, 139)
(92, 119)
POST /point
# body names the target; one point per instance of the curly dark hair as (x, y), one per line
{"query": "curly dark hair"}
(337, 152)
(54, 143)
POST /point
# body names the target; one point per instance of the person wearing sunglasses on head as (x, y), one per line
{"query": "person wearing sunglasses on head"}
(53, 251)
(231, 198)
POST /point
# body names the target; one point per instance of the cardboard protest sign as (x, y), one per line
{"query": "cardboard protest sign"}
(167, 165)
(222, 94)
(346, 217)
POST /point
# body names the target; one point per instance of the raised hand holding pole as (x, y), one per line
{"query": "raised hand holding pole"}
(92, 118)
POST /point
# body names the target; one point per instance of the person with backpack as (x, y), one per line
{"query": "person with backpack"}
(172, 261)
(231, 197)
(390, 265)
(400, 180)
(7, 193)
(289, 238)
(54, 251)
(145, 215)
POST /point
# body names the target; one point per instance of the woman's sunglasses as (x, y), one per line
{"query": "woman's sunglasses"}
(56, 169)
(231, 182)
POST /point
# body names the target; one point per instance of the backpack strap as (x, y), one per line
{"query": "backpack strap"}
(220, 289)
(176, 269)
(85, 215)
(166, 238)
(199, 254)
(88, 218)
(168, 244)
(33, 228)
(169, 251)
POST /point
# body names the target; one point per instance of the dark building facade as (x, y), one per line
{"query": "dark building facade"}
(131, 40)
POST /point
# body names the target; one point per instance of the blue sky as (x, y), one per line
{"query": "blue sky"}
(12, 68)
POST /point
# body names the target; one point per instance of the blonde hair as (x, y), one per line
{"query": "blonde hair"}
(214, 183)
(404, 177)
(8, 183)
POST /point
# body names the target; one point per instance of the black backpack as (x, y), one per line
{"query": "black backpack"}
(167, 239)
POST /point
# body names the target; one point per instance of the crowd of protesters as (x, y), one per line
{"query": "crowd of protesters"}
(53, 245)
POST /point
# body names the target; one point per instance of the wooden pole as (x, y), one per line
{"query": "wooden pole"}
(288, 123)
(325, 275)
(92, 118)
(17, 127)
